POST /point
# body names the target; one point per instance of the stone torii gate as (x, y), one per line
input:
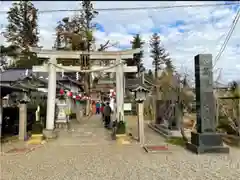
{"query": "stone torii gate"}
(52, 67)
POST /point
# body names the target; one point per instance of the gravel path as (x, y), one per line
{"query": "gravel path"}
(87, 153)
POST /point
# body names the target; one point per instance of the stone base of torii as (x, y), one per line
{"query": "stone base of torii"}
(52, 68)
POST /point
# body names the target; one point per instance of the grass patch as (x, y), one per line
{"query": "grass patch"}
(176, 141)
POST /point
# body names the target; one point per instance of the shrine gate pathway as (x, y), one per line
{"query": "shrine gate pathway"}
(86, 152)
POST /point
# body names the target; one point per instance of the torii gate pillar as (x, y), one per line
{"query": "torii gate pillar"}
(49, 132)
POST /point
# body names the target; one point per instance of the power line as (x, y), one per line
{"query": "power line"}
(229, 34)
(137, 8)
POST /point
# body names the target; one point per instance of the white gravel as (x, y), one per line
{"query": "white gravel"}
(87, 153)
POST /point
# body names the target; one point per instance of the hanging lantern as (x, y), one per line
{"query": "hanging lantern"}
(113, 94)
(78, 97)
(69, 94)
(61, 92)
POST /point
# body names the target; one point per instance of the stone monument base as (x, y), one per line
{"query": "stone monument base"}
(49, 134)
(206, 143)
(162, 130)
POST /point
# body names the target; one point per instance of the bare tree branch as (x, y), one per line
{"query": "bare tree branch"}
(103, 47)
(107, 45)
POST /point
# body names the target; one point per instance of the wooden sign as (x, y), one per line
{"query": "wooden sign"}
(85, 61)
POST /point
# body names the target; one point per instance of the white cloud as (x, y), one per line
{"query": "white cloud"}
(203, 31)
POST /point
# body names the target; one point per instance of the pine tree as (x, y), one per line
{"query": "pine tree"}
(87, 15)
(150, 73)
(3, 59)
(87, 27)
(137, 59)
(159, 55)
(22, 31)
(22, 25)
(169, 65)
(76, 33)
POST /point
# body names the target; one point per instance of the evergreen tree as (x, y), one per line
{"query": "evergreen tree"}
(22, 25)
(150, 73)
(3, 59)
(87, 15)
(159, 55)
(76, 33)
(10, 51)
(169, 65)
(137, 42)
(22, 31)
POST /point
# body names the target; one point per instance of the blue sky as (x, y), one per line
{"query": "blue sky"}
(185, 32)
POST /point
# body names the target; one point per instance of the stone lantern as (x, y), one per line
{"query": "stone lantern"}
(22, 135)
(141, 93)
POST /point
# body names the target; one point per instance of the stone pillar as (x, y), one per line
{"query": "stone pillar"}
(119, 92)
(141, 135)
(205, 139)
(121, 76)
(22, 134)
(120, 97)
(51, 101)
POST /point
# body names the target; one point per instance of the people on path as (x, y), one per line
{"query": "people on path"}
(98, 105)
(107, 115)
(93, 107)
(102, 109)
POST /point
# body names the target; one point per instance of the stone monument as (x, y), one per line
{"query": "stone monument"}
(206, 139)
(167, 122)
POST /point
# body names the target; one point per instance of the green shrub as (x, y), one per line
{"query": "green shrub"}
(176, 141)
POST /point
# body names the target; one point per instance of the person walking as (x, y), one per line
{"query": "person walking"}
(102, 109)
(107, 115)
(93, 107)
(98, 107)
